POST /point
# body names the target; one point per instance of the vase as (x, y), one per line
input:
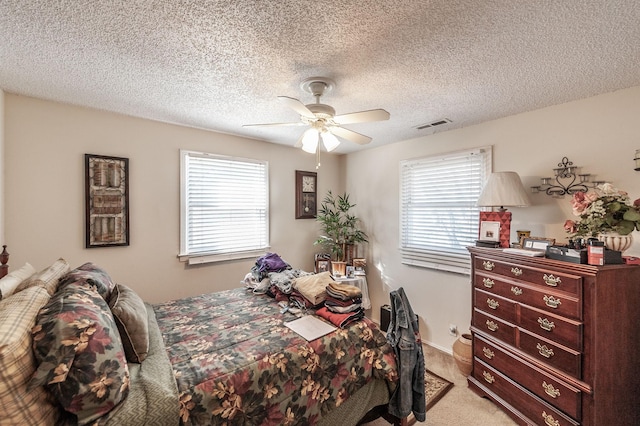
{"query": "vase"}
(463, 353)
(615, 241)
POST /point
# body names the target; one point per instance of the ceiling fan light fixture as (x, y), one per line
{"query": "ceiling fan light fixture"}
(330, 141)
(323, 121)
(310, 140)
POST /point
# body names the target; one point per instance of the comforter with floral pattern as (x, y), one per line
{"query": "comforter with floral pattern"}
(236, 363)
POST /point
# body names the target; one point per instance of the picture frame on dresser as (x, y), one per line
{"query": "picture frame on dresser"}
(536, 243)
(106, 201)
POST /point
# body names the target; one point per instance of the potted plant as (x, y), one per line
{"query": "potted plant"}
(339, 227)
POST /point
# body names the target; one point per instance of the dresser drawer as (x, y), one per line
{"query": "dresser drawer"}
(494, 326)
(544, 298)
(562, 330)
(495, 305)
(518, 397)
(544, 278)
(559, 394)
(549, 352)
(498, 285)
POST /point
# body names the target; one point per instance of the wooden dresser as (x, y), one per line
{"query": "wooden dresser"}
(554, 342)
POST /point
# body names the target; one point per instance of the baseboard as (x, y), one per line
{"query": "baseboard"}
(448, 351)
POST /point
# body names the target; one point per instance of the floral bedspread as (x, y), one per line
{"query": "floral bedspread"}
(237, 364)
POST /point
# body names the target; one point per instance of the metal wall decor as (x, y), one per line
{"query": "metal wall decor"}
(107, 201)
(567, 180)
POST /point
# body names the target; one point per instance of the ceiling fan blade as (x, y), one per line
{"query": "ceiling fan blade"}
(362, 116)
(297, 106)
(297, 123)
(350, 135)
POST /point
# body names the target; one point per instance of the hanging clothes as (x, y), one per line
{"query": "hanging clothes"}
(403, 335)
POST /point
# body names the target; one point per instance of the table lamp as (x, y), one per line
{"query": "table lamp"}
(503, 189)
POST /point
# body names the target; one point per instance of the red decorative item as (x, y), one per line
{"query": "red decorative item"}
(504, 217)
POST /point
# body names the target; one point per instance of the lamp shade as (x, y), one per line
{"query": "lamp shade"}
(310, 140)
(503, 189)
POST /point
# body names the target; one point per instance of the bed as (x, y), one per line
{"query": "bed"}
(76, 348)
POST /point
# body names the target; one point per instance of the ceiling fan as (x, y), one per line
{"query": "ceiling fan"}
(324, 124)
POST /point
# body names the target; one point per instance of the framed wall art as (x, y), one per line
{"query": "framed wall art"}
(106, 201)
(306, 194)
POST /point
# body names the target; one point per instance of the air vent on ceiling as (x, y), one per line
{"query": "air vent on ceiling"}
(434, 124)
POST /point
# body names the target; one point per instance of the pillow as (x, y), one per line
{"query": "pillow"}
(130, 315)
(9, 282)
(313, 287)
(92, 275)
(17, 363)
(80, 356)
(48, 278)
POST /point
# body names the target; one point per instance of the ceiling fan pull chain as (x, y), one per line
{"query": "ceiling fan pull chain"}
(318, 157)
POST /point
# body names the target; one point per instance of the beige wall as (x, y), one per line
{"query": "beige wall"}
(600, 134)
(45, 143)
(44, 202)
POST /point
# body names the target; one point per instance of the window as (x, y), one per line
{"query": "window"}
(438, 212)
(224, 207)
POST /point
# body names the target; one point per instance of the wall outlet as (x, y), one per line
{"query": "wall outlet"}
(453, 330)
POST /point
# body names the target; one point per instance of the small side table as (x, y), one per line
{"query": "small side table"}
(359, 281)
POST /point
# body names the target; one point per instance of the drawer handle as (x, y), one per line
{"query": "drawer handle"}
(516, 271)
(551, 280)
(488, 377)
(488, 282)
(488, 353)
(491, 325)
(544, 351)
(550, 390)
(545, 324)
(516, 290)
(549, 420)
(493, 304)
(488, 265)
(551, 301)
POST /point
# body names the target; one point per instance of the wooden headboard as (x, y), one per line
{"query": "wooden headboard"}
(4, 258)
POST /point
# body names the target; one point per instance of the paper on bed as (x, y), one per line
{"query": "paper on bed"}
(310, 327)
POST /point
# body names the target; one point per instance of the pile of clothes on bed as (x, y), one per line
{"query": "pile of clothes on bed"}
(298, 290)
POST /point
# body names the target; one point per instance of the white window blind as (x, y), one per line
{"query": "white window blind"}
(438, 212)
(224, 207)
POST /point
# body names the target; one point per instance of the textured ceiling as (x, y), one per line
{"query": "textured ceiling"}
(221, 64)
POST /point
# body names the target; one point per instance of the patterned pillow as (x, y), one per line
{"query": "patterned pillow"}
(80, 356)
(17, 364)
(12, 280)
(131, 318)
(48, 278)
(92, 275)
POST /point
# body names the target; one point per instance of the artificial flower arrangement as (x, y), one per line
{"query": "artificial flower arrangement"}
(605, 210)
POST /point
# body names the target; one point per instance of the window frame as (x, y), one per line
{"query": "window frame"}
(187, 254)
(451, 258)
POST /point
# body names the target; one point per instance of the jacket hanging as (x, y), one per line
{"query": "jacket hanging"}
(403, 335)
